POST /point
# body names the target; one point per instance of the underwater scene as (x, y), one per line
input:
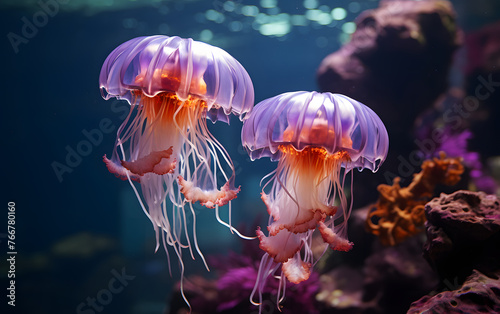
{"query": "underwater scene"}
(267, 156)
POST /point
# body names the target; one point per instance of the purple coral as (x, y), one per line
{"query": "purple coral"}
(455, 144)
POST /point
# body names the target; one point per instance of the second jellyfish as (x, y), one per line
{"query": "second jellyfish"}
(317, 139)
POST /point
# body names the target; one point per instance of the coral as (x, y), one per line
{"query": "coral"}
(399, 212)
(455, 142)
(463, 233)
(455, 145)
(478, 294)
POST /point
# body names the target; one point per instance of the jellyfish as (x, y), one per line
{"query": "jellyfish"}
(317, 139)
(173, 86)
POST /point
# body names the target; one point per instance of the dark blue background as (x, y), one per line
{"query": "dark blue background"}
(50, 95)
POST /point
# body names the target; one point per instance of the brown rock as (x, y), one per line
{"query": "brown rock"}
(463, 233)
(478, 294)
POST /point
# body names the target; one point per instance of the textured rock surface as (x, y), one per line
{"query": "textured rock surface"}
(463, 231)
(478, 294)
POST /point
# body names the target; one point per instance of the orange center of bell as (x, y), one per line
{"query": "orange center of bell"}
(313, 164)
(167, 106)
(168, 79)
(312, 152)
(313, 160)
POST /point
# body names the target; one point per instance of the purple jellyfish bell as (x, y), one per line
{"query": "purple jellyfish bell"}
(313, 136)
(173, 85)
(159, 64)
(332, 121)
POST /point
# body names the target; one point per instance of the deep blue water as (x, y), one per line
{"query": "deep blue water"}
(50, 98)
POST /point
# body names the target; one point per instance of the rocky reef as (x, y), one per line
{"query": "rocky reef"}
(478, 294)
(463, 230)
(463, 237)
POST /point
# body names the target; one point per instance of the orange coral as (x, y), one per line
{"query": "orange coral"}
(399, 212)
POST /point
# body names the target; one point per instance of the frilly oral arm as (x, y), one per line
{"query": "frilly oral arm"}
(119, 171)
(337, 243)
(207, 198)
(296, 270)
(307, 220)
(280, 247)
(156, 162)
(298, 221)
(270, 209)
